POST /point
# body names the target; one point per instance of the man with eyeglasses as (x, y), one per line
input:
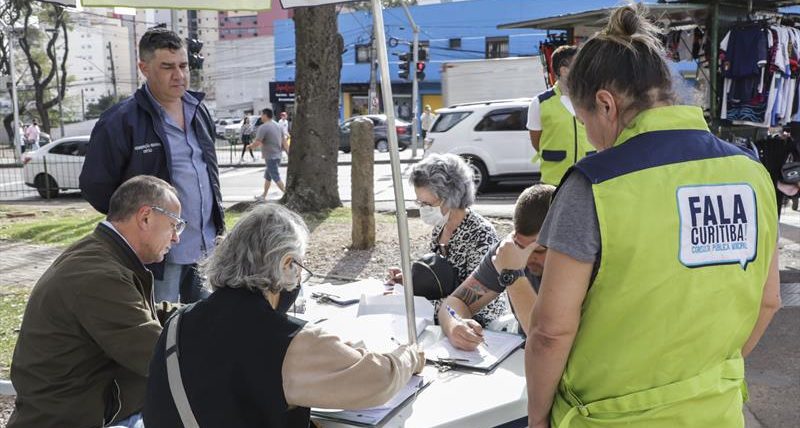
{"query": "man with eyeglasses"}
(514, 265)
(91, 323)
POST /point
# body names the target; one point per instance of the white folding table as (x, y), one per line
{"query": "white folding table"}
(455, 398)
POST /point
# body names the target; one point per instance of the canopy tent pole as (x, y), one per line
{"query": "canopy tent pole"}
(399, 197)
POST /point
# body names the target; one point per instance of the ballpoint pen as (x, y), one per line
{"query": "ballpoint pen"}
(455, 316)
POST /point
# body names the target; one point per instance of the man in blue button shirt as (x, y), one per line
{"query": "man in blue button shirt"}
(163, 130)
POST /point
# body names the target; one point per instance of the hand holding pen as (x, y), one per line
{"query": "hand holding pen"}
(467, 334)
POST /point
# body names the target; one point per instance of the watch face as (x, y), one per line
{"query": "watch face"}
(507, 278)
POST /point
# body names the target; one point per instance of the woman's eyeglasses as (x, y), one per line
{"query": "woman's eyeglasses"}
(305, 273)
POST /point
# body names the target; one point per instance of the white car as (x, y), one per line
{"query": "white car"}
(220, 124)
(491, 135)
(234, 130)
(56, 166)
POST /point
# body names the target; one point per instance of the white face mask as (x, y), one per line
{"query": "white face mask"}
(432, 215)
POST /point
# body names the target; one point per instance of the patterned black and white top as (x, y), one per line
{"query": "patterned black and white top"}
(471, 240)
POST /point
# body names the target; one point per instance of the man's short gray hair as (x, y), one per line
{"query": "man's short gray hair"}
(137, 192)
(250, 255)
(449, 178)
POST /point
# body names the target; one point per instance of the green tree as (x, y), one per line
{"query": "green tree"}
(41, 25)
(103, 103)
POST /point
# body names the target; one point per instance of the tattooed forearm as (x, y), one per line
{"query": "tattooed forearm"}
(472, 292)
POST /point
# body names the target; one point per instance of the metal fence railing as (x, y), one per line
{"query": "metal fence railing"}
(38, 175)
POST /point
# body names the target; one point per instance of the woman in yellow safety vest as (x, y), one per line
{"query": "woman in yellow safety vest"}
(662, 270)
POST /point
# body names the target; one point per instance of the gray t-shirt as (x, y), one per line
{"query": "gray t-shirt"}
(488, 276)
(271, 137)
(571, 225)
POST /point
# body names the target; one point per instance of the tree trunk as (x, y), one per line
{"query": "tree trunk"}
(312, 183)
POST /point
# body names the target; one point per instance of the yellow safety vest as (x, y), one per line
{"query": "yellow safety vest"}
(688, 228)
(563, 141)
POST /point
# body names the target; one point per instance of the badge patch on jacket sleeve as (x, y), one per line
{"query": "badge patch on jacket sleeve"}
(718, 225)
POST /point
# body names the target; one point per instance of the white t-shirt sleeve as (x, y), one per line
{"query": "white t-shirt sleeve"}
(534, 116)
(568, 104)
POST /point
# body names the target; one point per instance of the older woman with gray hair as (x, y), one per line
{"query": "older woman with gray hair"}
(445, 192)
(244, 362)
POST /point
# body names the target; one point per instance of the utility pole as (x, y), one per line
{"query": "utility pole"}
(83, 106)
(414, 83)
(113, 70)
(174, 18)
(372, 101)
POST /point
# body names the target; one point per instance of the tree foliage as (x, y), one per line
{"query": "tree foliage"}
(103, 103)
(39, 27)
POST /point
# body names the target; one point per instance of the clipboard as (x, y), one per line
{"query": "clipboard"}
(377, 416)
(498, 346)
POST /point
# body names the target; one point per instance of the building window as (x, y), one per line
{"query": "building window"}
(362, 54)
(455, 43)
(497, 47)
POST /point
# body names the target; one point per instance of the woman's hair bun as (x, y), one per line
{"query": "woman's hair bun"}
(625, 21)
(629, 24)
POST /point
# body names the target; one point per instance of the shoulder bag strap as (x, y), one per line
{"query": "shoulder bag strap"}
(174, 375)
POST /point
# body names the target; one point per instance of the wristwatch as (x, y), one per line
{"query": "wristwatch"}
(508, 276)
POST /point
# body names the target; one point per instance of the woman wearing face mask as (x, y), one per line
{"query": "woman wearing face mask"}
(244, 362)
(661, 273)
(445, 190)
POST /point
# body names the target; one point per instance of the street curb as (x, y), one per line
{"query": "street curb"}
(286, 164)
(6, 388)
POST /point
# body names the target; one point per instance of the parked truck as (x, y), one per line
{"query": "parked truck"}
(492, 79)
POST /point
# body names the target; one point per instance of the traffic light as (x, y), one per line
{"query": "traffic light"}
(420, 71)
(405, 65)
(193, 47)
(422, 55)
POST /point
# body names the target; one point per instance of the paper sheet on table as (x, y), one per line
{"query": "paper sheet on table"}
(394, 304)
(377, 332)
(375, 415)
(349, 291)
(498, 346)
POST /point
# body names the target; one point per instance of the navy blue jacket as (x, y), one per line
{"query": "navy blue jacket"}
(129, 140)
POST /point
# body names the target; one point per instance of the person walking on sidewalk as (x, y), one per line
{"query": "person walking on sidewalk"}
(272, 140)
(247, 137)
(32, 135)
(426, 120)
(662, 272)
(165, 131)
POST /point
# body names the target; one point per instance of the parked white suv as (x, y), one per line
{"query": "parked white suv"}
(491, 135)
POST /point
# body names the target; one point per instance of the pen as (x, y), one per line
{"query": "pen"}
(455, 316)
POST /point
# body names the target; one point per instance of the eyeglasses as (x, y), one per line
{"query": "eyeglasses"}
(305, 274)
(427, 204)
(178, 226)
